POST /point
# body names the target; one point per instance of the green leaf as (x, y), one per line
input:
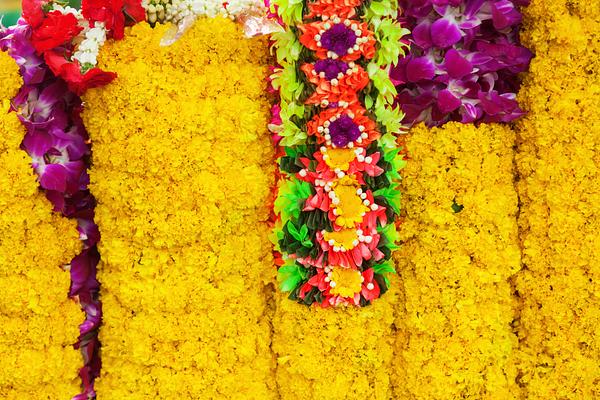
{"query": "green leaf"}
(291, 227)
(300, 235)
(290, 11)
(384, 268)
(377, 8)
(392, 195)
(368, 102)
(292, 196)
(396, 161)
(287, 47)
(289, 85)
(391, 234)
(290, 275)
(457, 207)
(292, 134)
(391, 154)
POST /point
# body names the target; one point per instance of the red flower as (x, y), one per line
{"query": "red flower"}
(55, 30)
(33, 12)
(71, 73)
(113, 13)
(370, 287)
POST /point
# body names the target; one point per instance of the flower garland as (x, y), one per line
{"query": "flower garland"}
(38, 322)
(186, 261)
(58, 145)
(460, 250)
(57, 47)
(559, 188)
(337, 197)
(464, 60)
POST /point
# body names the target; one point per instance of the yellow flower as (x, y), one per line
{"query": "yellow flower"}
(345, 237)
(454, 336)
(347, 205)
(183, 168)
(38, 323)
(559, 191)
(338, 157)
(345, 282)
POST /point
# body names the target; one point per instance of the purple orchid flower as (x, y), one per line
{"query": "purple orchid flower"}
(464, 61)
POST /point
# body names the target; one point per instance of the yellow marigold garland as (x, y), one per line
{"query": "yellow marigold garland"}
(330, 354)
(38, 323)
(460, 247)
(185, 249)
(559, 166)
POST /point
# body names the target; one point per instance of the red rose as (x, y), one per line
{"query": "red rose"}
(55, 30)
(113, 13)
(71, 73)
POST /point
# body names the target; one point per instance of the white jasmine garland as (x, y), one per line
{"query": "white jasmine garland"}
(66, 10)
(174, 11)
(88, 48)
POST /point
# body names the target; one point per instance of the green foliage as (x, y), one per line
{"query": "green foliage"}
(292, 196)
(301, 235)
(382, 82)
(396, 161)
(388, 33)
(292, 134)
(289, 85)
(384, 268)
(391, 235)
(378, 9)
(388, 116)
(288, 47)
(392, 195)
(290, 11)
(291, 275)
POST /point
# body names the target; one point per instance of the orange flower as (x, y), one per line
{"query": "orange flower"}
(345, 39)
(321, 123)
(331, 8)
(343, 88)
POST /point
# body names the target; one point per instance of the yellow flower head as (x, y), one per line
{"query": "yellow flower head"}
(345, 282)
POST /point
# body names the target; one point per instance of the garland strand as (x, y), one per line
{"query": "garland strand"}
(58, 145)
(38, 322)
(339, 161)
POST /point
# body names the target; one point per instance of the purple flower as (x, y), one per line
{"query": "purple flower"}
(331, 68)
(464, 61)
(343, 131)
(504, 14)
(444, 33)
(339, 38)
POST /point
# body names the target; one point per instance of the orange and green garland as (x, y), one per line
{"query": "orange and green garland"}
(336, 126)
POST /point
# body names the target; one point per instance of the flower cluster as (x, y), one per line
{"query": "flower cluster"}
(464, 60)
(337, 197)
(38, 323)
(68, 40)
(58, 145)
(357, 343)
(176, 11)
(183, 167)
(460, 249)
(559, 189)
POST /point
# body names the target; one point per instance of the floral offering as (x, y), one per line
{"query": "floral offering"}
(464, 61)
(337, 128)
